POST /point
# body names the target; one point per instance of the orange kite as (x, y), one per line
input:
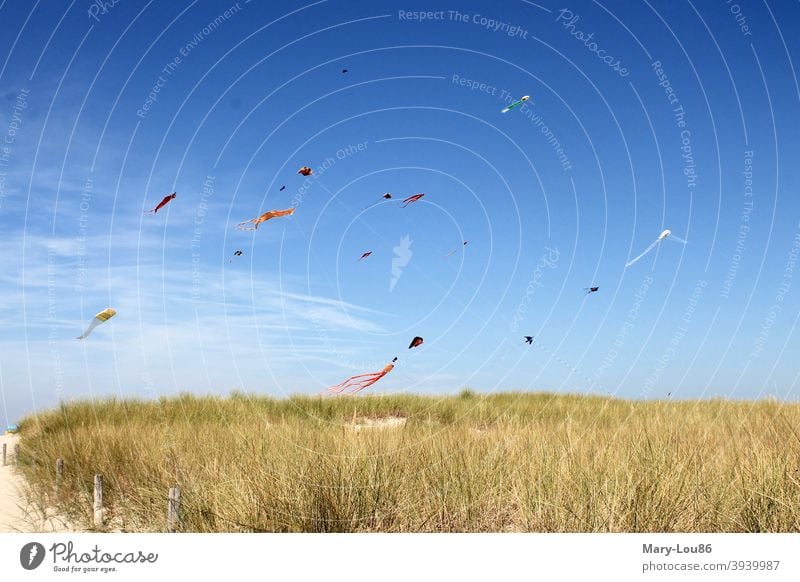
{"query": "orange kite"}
(254, 222)
(357, 383)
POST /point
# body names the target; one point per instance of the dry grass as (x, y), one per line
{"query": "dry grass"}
(506, 462)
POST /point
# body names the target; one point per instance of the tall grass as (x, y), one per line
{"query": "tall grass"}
(469, 463)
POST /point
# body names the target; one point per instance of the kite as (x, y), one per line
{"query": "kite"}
(411, 199)
(456, 250)
(515, 103)
(163, 202)
(305, 170)
(264, 217)
(344, 71)
(529, 339)
(591, 289)
(365, 255)
(236, 254)
(357, 383)
(282, 188)
(417, 341)
(660, 238)
(101, 317)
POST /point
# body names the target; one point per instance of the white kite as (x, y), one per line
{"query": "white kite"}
(661, 237)
(101, 317)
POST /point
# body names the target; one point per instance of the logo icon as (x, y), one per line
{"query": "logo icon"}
(402, 256)
(31, 555)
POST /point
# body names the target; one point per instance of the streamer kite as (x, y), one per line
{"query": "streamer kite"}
(529, 339)
(254, 222)
(357, 383)
(660, 238)
(417, 341)
(365, 255)
(516, 103)
(101, 317)
(411, 199)
(166, 200)
(305, 170)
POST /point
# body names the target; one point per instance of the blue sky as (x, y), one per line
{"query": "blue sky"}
(643, 117)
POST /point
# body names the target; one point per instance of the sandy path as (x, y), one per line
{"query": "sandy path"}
(16, 515)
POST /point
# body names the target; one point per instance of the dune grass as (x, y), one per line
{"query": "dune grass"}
(468, 463)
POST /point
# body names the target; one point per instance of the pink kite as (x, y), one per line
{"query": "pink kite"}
(357, 383)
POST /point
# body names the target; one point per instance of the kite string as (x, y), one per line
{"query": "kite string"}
(573, 369)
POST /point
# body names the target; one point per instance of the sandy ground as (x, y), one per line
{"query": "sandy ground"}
(16, 515)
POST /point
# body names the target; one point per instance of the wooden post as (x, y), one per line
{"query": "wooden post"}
(4, 454)
(16, 454)
(174, 509)
(59, 472)
(98, 500)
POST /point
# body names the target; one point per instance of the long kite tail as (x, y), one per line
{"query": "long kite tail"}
(647, 250)
(92, 325)
(677, 239)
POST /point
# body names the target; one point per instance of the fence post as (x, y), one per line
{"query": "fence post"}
(98, 500)
(4, 454)
(174, 509)
(16, 454)
(59, 473)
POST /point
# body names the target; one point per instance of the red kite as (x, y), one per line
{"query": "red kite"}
(365, 255)
(305, 170)
(417, 341)
(264, 217)
(411, 199)
(357, 383)
(163, 203)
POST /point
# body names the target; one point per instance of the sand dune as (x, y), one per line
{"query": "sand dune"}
(16, 513)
